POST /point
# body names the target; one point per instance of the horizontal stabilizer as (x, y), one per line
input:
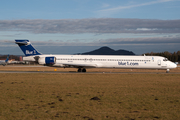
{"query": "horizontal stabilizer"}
(22, 42)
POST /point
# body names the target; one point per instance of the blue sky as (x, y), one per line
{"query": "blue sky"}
(73, 26)
(78, 9)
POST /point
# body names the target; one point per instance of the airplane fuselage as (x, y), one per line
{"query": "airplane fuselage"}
(106, 61)
(94, 61)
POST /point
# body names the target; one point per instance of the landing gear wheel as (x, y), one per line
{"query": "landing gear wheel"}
(79, 70)
(167, 71)
(83, 70)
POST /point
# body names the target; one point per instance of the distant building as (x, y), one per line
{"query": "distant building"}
(20, 58)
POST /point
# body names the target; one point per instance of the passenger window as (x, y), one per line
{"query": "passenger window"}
(165, 59)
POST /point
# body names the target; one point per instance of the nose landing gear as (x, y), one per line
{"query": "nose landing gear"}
(167, 71)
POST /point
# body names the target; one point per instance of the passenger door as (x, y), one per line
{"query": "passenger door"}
(159, 62)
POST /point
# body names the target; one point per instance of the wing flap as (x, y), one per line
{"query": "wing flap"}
(80, 65)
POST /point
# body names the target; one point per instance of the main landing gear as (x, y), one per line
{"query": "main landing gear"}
(81, 70)
(167, 71)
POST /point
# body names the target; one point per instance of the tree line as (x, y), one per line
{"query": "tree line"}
(174, 57)
(3, 57)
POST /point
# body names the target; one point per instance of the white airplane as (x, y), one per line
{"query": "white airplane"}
(4, 62)
(94, 61)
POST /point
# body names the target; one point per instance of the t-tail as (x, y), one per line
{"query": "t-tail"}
(27, 48)
(7, 59)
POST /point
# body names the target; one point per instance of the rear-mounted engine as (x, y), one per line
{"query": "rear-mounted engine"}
(49, 61)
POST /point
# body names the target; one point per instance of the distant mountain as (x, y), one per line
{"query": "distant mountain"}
(108, 51)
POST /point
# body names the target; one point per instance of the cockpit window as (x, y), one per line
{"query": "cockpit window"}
(165, 59)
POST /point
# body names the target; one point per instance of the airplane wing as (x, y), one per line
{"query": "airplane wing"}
(80, 65)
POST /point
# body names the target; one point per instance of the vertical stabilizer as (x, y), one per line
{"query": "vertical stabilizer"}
(27, 47)
(7, 59)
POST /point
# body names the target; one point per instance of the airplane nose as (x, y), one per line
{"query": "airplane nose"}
(174, 65)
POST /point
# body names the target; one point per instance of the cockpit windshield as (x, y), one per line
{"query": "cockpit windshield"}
(165, 59)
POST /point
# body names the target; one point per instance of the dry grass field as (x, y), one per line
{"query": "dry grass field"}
(89, 96)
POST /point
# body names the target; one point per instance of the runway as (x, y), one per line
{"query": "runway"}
(74, 72)
(45, 70)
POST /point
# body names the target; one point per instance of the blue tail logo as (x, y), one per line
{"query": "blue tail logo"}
(27, 48)
(7, 59)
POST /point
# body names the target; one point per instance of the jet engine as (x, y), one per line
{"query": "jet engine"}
(49, 61)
